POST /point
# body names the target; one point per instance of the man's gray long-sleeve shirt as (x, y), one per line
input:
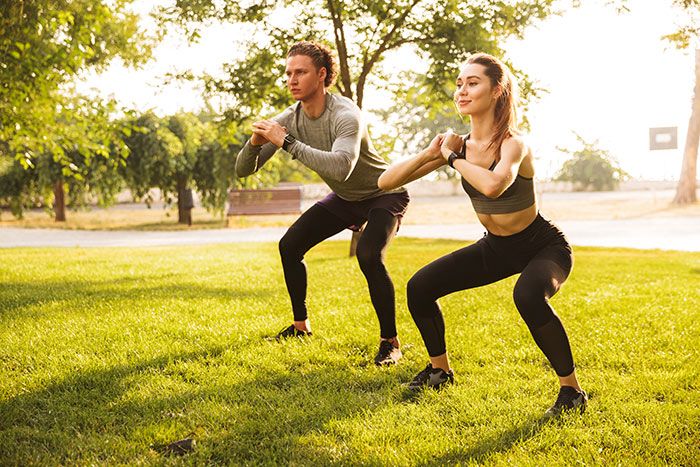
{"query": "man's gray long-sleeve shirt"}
(336, 146)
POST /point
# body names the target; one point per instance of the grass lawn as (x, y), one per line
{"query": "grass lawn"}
(106, 352)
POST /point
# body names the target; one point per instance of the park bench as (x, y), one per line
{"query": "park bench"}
(284, 199)
(276, 200)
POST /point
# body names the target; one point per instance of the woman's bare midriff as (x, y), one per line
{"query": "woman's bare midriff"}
(508, 224)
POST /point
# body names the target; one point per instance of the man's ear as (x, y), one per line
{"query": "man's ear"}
(322, 72)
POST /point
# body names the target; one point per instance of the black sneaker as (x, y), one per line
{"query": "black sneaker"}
(569, 399)
(291, 331)
(431, 377)
(387, 354)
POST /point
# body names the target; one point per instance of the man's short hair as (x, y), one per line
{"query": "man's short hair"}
(321, 55)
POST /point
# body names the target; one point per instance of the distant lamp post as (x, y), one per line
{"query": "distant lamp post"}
(663, 138)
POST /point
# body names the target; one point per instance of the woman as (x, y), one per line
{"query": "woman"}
(497, 173)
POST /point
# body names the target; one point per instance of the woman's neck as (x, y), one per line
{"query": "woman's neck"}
(482, 127)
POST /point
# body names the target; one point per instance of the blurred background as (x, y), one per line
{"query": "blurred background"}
(113, 107)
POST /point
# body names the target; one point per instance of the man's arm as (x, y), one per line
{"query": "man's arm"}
(339, 162)
(252, 157)
(259, 149)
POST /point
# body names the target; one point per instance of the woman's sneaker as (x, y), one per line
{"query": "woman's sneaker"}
(569, 399)
(387, 354)
(431, 377)
(291, 331)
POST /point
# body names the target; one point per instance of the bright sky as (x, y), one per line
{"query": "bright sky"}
(610, 78)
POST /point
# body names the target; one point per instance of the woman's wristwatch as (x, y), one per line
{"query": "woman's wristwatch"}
(452, 158)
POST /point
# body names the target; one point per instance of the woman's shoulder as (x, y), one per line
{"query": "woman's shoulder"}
(515, 144)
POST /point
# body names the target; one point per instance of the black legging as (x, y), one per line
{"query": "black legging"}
(318, 224)
(543, 270)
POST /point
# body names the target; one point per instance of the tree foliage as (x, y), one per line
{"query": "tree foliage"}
(152, 150)
(86, 171)
(44, 45)
(364, 32)
(591, 168)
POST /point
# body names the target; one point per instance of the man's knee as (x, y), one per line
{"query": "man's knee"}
(368, 257)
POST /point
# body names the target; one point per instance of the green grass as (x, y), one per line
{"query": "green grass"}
(105, 352)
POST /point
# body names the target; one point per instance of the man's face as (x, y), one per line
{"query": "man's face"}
(303, 79)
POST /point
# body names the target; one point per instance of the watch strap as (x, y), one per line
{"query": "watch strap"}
(288, 141)
(452, 158)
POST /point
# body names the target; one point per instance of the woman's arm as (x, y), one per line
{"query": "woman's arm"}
(413, 168)
(493, 183)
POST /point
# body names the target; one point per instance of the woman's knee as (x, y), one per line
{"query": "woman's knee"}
(532, 305)
(418, 292)
(289, 246)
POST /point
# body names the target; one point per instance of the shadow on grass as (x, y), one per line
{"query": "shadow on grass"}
(57, 421)
(124, 289)
(494, 445)
(109, 415)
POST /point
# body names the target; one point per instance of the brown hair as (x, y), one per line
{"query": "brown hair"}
(321, 55)
(506, 119)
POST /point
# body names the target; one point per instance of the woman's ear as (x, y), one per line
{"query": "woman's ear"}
(497, 92)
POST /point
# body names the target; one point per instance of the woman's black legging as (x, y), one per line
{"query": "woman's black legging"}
(544, 263)
(318, 224)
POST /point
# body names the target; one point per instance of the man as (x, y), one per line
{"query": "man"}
(327, 134)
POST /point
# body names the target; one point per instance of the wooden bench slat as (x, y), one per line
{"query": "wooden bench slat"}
(278, 200)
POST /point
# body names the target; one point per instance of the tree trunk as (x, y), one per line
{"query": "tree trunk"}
(59, 201)
(185, 203)
(687, 185)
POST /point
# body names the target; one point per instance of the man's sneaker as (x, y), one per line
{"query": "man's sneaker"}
(291, 331)
(387, 355)
(569, 399)
(431, 377)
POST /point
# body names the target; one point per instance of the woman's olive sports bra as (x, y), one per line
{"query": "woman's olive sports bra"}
(519, 195)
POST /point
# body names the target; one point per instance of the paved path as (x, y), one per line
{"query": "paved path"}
(672, 233)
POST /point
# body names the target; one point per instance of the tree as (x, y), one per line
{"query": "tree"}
(153, 150)
(686, 191)
(591, 168)
(44, 44)
(81, 172)
(188, 129)
(687, 35)
(214, 170)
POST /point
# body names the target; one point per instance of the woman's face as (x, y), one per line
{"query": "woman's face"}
(474, 93)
